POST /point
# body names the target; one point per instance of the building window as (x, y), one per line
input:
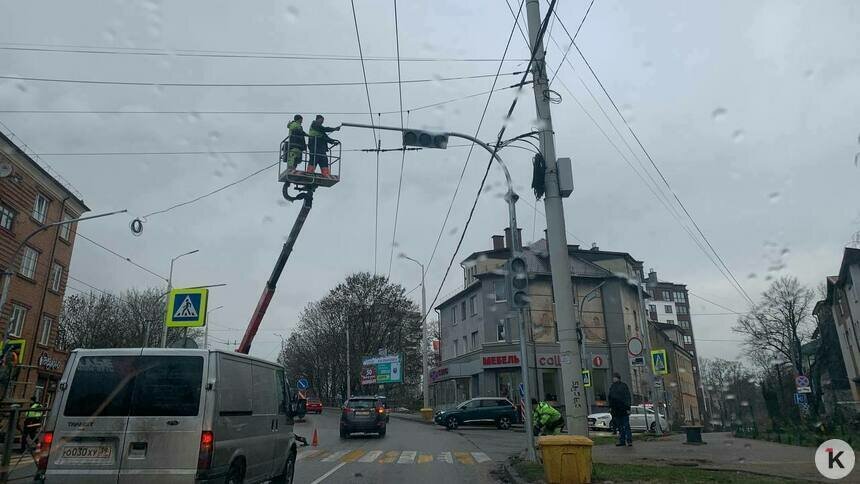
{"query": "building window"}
(500, 330)
(463, 310)
(56, 276)
(500, 291)
(40, 208)
(670, 321)
(16, 321)
(474, 339)
(666, 296)
(7, 217)
(465, 345)
(473, 309)
(684, 324)
(45, 330)
(29, 259)
(668, 308)
(652, 308)
(688, 340)
(679, 296)
(456, 347)
(65, 229)
(682, 309)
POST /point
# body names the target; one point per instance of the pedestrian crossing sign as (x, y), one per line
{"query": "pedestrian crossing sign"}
(186, 308)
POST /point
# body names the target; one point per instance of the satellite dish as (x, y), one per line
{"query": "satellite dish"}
(5, 169)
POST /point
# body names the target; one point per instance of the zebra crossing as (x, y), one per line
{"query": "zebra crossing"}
(395, 457)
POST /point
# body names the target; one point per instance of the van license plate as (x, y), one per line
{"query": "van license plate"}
(87, 452)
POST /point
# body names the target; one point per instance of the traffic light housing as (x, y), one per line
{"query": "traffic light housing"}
(518, 281)
(425, 139)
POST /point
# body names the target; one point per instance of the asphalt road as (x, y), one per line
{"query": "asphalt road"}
(411, 452)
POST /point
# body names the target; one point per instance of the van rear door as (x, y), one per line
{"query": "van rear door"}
(92, 416)
(165, 417)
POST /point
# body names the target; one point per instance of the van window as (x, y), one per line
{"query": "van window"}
(147, 386)
(367, 403)
(101, 386)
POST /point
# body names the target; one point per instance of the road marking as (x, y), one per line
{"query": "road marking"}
(353, 456)
(425, 458)
(390, 457)
(332, 471)
(481, 457)
(309, 453)
(407, 457)
(371, 456)
(336, 456)
(445, 457)
(464, 458)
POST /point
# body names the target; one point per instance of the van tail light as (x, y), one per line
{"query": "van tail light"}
(207, 445)
(43, 450)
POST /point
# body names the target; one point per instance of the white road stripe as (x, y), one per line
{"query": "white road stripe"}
(332, 471)
(336, 456)
(407, 457)
(445, 457)
(481, 457)
(371, 456)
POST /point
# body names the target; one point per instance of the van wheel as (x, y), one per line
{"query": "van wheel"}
(503, 423)
(289, 470)
(236, 474)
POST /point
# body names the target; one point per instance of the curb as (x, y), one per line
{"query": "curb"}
(512, 474)
(410, 417)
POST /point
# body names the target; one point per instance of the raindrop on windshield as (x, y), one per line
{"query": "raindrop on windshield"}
(718, 114)
(774, 197)
(268, 219)
(738, 135)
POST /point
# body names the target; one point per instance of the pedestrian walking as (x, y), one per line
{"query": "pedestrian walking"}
(296, 142)
(319, 141)
(619, 407)
(32, 421)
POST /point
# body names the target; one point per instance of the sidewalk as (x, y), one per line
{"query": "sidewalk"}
(722, 452)
(415, 417)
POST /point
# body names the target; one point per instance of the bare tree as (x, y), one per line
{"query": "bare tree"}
(782, 323)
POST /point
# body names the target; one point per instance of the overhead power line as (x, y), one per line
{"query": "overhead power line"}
(127, 259)
(80, 49)
(261, 84)
(714, 303)
(402, 153)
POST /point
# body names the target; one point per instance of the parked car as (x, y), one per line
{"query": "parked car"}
(499, 411)
(600, 421)
(169, 415)
(314, 405)
(642, 419)
(363, 414)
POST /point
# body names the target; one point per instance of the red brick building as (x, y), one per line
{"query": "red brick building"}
(31, 197)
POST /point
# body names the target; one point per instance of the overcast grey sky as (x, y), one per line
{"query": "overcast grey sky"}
(750, 109)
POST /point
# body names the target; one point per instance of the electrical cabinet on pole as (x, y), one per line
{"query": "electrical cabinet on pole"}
(575, 402)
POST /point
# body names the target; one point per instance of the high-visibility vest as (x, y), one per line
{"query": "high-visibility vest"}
(35, 411)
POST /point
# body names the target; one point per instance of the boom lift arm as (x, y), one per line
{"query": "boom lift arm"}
(269, 291)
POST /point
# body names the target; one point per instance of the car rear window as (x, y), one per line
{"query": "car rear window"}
(144, 386)
(361, 404)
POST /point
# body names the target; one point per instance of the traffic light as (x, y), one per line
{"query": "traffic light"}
(425, 139)
(518, 281)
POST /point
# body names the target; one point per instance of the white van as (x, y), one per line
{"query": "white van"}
(169, 415)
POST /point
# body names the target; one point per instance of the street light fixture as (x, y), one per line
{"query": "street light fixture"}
(169, 288)
(206, 328)
(424, 358)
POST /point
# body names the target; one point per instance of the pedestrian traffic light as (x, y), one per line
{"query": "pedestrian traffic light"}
(425, 139)
(518, 281)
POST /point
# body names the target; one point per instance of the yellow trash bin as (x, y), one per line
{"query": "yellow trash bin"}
(566, 458)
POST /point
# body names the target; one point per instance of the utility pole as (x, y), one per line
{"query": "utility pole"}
(348, 386)
(562, 284)
(424, 350)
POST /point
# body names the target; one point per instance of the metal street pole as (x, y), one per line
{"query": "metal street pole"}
(511, 198)
(580, 327)
(13, 264)
(649, 367)
(562, 284)
(169, 288)
(425, 363)
(348, 386)
(206, 328)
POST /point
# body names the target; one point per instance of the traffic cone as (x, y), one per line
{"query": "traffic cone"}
(315, 440)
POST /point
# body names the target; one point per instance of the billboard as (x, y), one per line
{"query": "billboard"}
(381, 369)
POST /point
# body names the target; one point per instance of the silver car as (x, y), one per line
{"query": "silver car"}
(169, 415)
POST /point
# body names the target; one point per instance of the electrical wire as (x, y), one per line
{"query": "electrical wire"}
(231, 184)
(263, 84)
(127, 259)
(567, 51)
(472, 145)
(733, 280)
(402, 153)
(81, 49)
(714, 303)
(364, 70)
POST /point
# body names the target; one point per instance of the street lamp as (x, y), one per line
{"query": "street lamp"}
(206, 328)
(13, 265)
(169, 288)
(424, 362)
